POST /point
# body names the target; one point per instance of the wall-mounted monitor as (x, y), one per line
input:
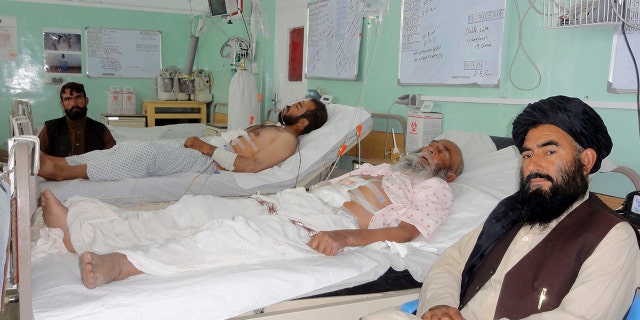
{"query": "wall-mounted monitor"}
(223, 7)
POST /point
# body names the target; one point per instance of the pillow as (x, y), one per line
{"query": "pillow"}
(314, 146)
(472, 144)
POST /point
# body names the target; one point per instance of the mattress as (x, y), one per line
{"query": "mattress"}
(317, 149)
(224, 292)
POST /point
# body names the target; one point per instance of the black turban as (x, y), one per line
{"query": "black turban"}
(573, 116)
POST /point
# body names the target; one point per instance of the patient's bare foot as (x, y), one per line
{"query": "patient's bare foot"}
(49, 167)
(97, 270)
(54, 214)
(57, 169)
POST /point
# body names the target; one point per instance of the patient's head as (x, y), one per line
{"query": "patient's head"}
(440, 158)
(312, 114)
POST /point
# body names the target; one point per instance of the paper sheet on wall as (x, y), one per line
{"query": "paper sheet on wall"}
(622, 74)
(8, 39)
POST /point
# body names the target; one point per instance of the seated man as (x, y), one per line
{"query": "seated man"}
(370, 204)
(258, 148)
(75, 133)
(552, 250)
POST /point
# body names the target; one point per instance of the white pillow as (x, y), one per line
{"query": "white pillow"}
(472, 144)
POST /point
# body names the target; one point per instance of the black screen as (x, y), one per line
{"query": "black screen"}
(217, 7)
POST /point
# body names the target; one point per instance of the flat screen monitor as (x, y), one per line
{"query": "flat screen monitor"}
(220, 7)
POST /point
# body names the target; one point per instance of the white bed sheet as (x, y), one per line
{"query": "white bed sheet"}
(317, 148)
(224, 292)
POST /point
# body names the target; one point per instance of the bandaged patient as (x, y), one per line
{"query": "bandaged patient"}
(251, 150)
(373, 203)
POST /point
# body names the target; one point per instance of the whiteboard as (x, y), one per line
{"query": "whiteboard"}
(119, 53)
(451, 42)
(622, 74)
(334, 30)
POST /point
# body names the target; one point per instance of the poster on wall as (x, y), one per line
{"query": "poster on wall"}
(62, 51)
(8, 36)
(622, 75)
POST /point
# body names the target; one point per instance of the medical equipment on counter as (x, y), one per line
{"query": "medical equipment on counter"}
(166, 83)
(422, 124)
(203, 84)
(422, 128)
(114, 100)
(185, 86)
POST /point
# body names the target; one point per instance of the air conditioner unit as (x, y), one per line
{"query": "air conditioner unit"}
(577, 13)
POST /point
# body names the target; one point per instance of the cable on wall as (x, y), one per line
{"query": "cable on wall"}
(633, 58)
(524, 50)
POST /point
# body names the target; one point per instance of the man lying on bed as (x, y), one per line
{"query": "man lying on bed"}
(258, 148)
(373, 203)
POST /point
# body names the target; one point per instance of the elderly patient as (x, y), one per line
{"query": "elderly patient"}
(251, 150)
(374, 203)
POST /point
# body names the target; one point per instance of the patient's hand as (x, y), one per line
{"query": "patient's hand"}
(197, 144)
(330, 242)
(443, 313)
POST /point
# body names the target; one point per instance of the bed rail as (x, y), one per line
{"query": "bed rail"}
(23, 170)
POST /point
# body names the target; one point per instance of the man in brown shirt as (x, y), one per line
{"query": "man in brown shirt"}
(75, 133)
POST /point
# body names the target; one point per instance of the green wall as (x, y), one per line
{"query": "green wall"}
(573, 62)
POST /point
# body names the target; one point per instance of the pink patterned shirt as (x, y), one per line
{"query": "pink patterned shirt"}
(425, 204)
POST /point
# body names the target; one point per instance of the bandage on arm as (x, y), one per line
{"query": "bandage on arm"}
(224, 158)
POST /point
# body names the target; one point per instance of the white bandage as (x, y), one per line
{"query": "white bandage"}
(224, 158)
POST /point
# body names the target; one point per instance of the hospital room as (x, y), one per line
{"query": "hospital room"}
(356, 96)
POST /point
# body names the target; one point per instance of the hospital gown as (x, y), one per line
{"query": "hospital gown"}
(138, 159)
(199, 232)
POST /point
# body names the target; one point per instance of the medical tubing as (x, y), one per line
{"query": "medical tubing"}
(344, 143)
(367, 64)
(635, 66)
(299, 164)
(224, 158)
(213, 163)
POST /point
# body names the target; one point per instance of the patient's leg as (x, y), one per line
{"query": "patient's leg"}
(97, 270)
(54, 214)
(57, 169)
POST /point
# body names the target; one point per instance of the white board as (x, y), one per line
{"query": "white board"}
(334, 30)
(451, 42)
(622, 74)
(119, 53)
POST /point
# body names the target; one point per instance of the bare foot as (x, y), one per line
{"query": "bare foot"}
(49, 167)
(54, 214)
(96, 270)
(57, 169)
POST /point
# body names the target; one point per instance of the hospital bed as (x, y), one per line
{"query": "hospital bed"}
(223, 292)
(317, 151)
(50, 286)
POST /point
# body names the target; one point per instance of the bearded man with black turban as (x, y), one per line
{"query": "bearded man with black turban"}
(552, 250)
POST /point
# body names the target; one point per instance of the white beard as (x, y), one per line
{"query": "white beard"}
(413, 165)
